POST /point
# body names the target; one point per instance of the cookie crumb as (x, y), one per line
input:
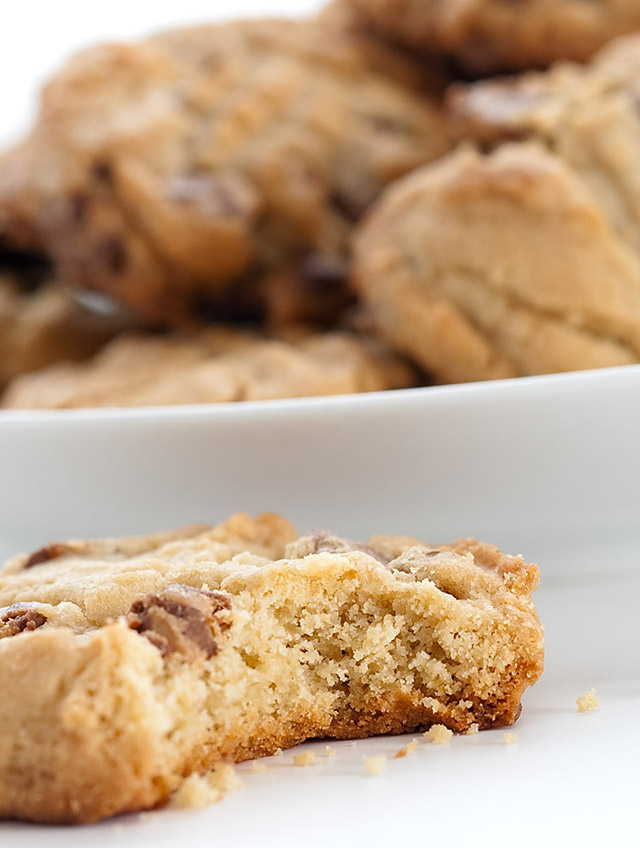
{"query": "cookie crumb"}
(588, 701)
(257, 767)
(330, 752)
(409, 748)
(306, 758)
(352, 744)
(196, 792)
(375, 765)
(509, 738)
(225, 777)
(277, 753)
(473, 729)
(438, 734)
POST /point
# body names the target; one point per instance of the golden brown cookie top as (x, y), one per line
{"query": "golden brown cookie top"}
(87, 584)
(500, 265)
(489, 36)
(166, 171)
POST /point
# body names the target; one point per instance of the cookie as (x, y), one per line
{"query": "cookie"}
(219, 365)
(489, 36)
(587, 115)
(171, 173)
(41, 327)
(500, 265)
(135, 664)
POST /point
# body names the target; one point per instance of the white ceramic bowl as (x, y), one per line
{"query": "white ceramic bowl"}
(523, 462)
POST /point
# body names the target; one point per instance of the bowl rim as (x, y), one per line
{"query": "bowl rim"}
(464, 393)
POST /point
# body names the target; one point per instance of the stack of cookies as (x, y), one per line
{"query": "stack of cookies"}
(278, 208)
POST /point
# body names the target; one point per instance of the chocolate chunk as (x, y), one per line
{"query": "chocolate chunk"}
(79, 202)
(323, 273)
(349, 205)
(181, 619)
(102, 171)
(28, 269)
(112, 254)
(388, 125)
(18, 618)
(47, 553)
(216, 196)
(322, 541)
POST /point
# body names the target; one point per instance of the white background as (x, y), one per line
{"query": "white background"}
(36, 36)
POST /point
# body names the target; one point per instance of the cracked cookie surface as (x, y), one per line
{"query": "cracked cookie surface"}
(500, 265)
(146, 660)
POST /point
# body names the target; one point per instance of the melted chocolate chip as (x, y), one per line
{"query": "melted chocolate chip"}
(28, 269)
(78, 206)
(388, 125)
(113, 255)
(349, 205)
(46, 554)
(324, 273)
(18, 618)
(102, 171)
(213, 195)
(324, 541)
(181, 619)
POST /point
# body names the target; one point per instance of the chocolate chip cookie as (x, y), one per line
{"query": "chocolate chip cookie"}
(41, 327)
(216, 366)
(587, 115)
(500, 265)
(488, 36)
(173, 173)
(127, 666)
